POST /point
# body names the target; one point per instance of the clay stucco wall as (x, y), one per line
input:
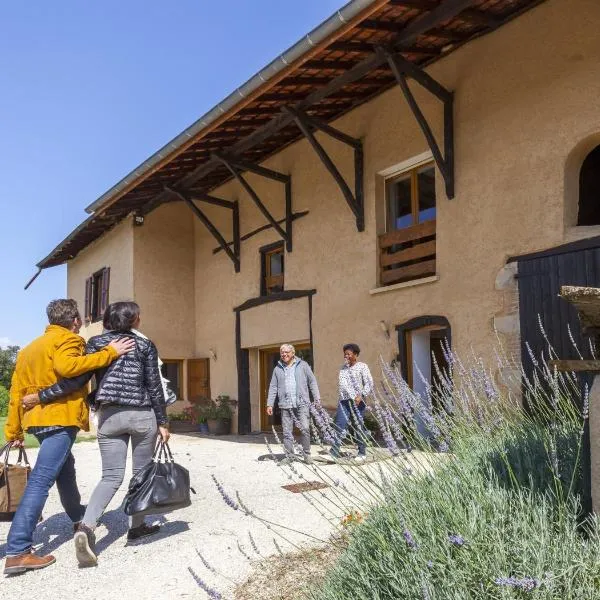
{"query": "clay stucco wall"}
(520, 108)
(524, 108)
(114, 250)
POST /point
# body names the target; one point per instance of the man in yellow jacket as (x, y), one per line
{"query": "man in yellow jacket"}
(58, 353)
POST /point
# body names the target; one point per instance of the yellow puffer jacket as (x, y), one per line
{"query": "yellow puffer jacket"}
(56, 354)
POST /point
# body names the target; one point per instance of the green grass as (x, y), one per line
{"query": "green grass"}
(30, 441)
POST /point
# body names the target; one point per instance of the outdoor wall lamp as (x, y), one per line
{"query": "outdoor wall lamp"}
(138, 220)
(385, 329)
(213, 354)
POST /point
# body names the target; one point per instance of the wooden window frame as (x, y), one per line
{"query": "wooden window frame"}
(413, 173)
(179, 363)
(408, 253)
(97, 295)
(266, 279)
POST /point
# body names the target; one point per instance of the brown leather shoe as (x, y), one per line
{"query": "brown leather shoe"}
(26, 562)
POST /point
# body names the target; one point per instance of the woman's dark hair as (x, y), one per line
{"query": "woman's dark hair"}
(121, 316)
(353, 348)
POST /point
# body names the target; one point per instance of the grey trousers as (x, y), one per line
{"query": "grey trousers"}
(116, 426)
(301, 418)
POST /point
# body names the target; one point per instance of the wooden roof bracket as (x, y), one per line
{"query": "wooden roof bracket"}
(355, 200)
(235, 165)
(234, 254)
(401, 68)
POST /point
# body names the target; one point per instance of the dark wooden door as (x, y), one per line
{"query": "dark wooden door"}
(268, 359)
(548, 321)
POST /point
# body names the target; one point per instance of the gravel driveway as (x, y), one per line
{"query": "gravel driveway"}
(158, 567)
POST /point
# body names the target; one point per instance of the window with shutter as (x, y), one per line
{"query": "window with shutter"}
(97, 294)
(87, 308)
(104, 289)
(272, 269)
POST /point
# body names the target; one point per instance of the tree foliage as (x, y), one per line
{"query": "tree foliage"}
(8, 358)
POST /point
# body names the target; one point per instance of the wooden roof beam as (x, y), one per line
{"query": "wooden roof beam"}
(286, 235)
(446, 10)
(401, 68)
(420, 4)
(355, 200)
(234, 254)
(368, 47)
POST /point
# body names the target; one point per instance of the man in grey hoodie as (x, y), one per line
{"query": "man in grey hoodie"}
(291, 381)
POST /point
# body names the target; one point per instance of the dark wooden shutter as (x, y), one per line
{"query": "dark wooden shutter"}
(87, 307)
(104, 289)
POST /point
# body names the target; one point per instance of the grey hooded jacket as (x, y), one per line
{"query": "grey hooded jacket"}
(305, 381)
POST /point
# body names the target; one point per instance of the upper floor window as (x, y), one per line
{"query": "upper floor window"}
(272, 269)
(407, 248)
(589, 189)
(410, 198)
(97, 294)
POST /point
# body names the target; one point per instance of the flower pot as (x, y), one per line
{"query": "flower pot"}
(219, 426)
(203, 427)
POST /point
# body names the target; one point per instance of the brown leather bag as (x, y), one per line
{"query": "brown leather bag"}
(13, 480)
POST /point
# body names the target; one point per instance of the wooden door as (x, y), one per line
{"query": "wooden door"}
(198, 379)
(268, 360)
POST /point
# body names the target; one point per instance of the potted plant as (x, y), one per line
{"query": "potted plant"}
(218, 415)
(202, 424)
(181, 422)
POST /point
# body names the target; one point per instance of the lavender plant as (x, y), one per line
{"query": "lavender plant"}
(500, 517)
(472, 493)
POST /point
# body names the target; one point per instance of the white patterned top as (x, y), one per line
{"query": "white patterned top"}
(355, 380)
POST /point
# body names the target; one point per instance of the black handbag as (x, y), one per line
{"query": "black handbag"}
(160, 487)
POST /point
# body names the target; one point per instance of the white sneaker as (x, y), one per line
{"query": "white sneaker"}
(359, 458)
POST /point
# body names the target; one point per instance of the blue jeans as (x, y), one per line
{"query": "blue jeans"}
(349, 417)
(54, 464)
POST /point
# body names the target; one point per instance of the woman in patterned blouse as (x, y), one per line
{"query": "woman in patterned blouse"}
(355, 384)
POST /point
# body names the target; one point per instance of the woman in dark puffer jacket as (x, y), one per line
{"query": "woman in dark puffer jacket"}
(130, 404)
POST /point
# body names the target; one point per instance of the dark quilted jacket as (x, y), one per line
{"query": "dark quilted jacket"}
(131, 380)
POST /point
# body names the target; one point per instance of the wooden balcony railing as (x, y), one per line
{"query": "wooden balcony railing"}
(407, 254)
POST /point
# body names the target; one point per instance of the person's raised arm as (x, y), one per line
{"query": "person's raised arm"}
(69, 360)
(56, 392)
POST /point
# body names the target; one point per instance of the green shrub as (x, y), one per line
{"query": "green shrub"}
(4, 399)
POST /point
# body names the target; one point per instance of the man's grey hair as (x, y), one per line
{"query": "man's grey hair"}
(289, 348)
(62, 312)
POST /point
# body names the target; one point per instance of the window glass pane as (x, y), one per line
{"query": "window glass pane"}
(399, 203)
(97, 296)
(170, 371)
(276, 263)
(426, 179)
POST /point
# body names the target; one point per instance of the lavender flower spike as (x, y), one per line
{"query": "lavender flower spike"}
(456, 539)
(409, 539)
(212, 594)
(228, 499)
(526, 584)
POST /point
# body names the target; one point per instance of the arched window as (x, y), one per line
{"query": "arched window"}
(589, 189)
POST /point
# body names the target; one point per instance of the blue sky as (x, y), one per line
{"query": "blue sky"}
(91, 89)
